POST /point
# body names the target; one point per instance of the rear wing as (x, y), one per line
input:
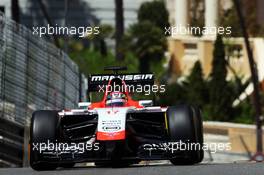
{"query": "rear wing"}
(99, 80)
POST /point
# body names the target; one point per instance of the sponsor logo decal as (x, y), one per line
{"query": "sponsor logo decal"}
(95, 78)
(111, 128)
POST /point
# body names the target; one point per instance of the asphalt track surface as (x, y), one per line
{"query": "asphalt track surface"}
(201, 169)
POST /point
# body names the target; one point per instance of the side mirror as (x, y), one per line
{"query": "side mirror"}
(146, 103)
(84, 105)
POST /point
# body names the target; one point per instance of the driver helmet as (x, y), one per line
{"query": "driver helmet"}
(116, 99)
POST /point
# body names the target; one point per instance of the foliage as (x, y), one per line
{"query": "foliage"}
(245, 112)
(148, 44)
(93, 62)
(230, 19)
(175, 94)
(218, 86)
(93, 59)
(106, 31)
(146, 38)
(192, 90)
(98, 41)
(197, 87)
(214, 95)
(90, 61)
(197, 15)
(154, 12)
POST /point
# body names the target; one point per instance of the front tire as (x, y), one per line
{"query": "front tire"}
(185, 125)
(44, 127)
(67, 165)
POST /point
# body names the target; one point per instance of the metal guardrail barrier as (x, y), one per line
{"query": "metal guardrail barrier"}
(34, 74)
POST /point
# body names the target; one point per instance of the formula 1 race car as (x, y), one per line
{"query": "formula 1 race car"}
(117, 131)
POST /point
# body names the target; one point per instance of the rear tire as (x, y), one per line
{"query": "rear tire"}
(44, 127)
(185, 125)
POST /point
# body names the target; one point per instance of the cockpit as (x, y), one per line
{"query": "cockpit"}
(116, 94)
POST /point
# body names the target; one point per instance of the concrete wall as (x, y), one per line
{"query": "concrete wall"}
(241, 136)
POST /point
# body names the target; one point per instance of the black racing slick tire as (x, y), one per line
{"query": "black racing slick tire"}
(44, 127)
(185, 126)
(200, 139)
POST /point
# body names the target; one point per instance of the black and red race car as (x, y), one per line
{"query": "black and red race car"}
(117, 131)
